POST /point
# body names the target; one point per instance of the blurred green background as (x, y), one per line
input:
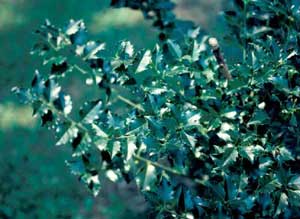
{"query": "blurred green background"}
(34, 180)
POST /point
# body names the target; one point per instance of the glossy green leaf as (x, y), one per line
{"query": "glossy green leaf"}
(145, 61)
(282, 204)
(175, 49)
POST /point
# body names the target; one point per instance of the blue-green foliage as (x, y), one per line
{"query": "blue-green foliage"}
(196, 144)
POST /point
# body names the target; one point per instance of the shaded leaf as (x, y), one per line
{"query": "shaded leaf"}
(174, 49)
(282, 204)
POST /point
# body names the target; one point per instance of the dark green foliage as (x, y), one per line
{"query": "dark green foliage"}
(196, 144)
(160, 11)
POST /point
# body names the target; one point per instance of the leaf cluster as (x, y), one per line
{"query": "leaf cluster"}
(198, 145)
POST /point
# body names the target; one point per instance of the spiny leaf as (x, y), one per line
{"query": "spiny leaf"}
(191, 139)
(185, 201)
(93, 114)
(37, 84)
(91, 49)
(131, 147)
(52, 90)
(197, 49)
(250, 152)
(230, 156)
(295, 182)
(68, 136)
(74, 26)
(23, 94)
(113, 147)
(231, 188)
(259, 117)
(145, 61)
(145, 180)
(165, 190)
(282, 204)
(225, 136)
(126, 50)
(174, 49)
(230, 114)
(63, 103)
(98, 131)
(157, 57)
(193, 33)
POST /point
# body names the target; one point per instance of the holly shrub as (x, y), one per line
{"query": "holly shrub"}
(200, 138)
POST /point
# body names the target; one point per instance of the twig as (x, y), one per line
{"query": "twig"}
(130, 103)
(223, 68)
(81, 127)
(158, 165)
